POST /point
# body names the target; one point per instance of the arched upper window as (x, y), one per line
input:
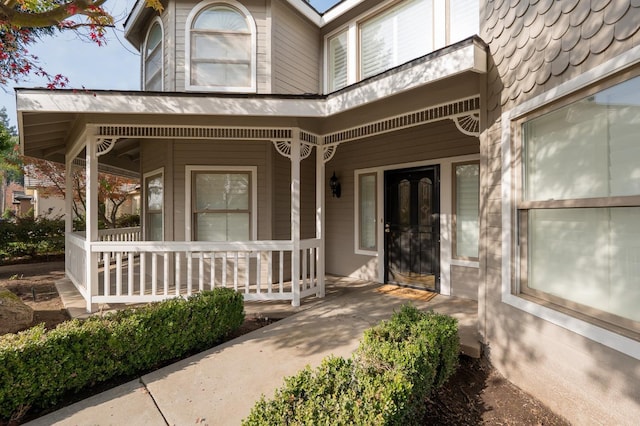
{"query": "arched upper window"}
(221, 48)
(153, 58)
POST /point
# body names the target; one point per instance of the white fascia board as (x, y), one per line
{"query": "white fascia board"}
(337, 11)
(447, 65)
(133, 18)
(123, 103)
(305, 9)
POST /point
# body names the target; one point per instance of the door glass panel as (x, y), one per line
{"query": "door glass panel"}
(425, 192)
(404, 202)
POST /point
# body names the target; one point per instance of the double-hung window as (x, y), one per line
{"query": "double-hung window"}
(338, 61)
(221, 205)
(578, 206)
(221, 49)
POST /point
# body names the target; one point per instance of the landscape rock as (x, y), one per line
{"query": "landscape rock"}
(14, 314)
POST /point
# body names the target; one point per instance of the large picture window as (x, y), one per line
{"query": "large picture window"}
(395, 36)
(222, 48)
(221, 205)
(579, 205)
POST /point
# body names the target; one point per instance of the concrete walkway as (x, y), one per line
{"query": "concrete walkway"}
(221, 385)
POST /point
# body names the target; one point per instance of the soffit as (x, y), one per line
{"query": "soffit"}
(49, 120)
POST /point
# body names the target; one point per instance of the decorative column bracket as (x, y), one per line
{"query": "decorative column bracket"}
(105, 145)
(328, 152)
(284, 148)
(468, 124)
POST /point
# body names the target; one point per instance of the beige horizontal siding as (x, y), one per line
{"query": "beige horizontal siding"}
(464, 282)
(296, 50)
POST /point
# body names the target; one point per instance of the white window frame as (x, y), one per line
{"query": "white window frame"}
(510, 273)
(253, 172)
(253, 57)
(379, 192)
(155, 21)
(441, 37)
(454, 212)
(159, 171)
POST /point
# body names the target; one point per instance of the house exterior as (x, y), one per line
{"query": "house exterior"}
(479, 149)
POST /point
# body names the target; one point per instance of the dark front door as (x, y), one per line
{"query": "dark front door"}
(412, 227)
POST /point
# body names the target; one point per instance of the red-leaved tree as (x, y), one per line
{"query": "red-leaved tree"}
(24, 22)
(113, 190)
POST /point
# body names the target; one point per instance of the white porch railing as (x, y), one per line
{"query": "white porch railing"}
(120, 234)
(147, 271)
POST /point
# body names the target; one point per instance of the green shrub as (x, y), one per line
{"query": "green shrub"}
(38, 367)
(26, 236)
(128, 220)
(398, 364)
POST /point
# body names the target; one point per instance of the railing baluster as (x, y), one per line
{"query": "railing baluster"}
(247, 269)
(303, 282)
(189, 273)
(224, 269)
(312, 267)
(269, 272)
(258, 271)
(177, 258)
(201, 271)
(143, 272)
(166, 274)
(235, 271)
(213, 270)
(107, 275)
(281, 271)
(154, 273)
(130, 267)
(118, 274)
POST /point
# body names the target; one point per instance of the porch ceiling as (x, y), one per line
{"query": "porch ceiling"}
(50, 121)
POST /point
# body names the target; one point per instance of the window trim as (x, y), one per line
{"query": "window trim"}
(253, 196)
(148, 175)
(356, 243)
(454, 212)
(619, 65)
(241, 9)
(155, 21)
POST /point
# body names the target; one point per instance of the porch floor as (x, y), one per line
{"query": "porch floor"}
(222, 384)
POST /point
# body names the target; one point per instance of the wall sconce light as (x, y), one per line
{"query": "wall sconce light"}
(335, 186)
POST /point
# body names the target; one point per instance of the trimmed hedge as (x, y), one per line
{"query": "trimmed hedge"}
(396, 367)
(38, 367)
(26, 236)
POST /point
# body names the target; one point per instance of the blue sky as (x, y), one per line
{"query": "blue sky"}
(112, 66)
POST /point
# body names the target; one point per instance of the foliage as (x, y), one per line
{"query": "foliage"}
(24, 22)
(128, 221)
(37, 367)
(26, 236)
(10, 164)
(113, 190)
(396, 367)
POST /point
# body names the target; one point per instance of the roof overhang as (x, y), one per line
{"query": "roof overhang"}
(49, 120)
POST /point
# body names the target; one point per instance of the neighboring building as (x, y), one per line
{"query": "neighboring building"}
(479, 149)
(15, 199)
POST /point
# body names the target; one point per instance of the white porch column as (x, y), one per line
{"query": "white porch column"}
(91, 217)
(295, 216)
(68, 208)
(320, 188)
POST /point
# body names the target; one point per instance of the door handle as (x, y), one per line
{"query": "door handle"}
(387, 228)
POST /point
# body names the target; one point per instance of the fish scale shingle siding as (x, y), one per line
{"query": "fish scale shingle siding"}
(537, 44)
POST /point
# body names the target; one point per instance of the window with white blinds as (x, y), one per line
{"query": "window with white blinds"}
(222, 49)
(466, 210)
(580, 204)
(395, 36)
(338, 61)
(153, 58)
(464, 19)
